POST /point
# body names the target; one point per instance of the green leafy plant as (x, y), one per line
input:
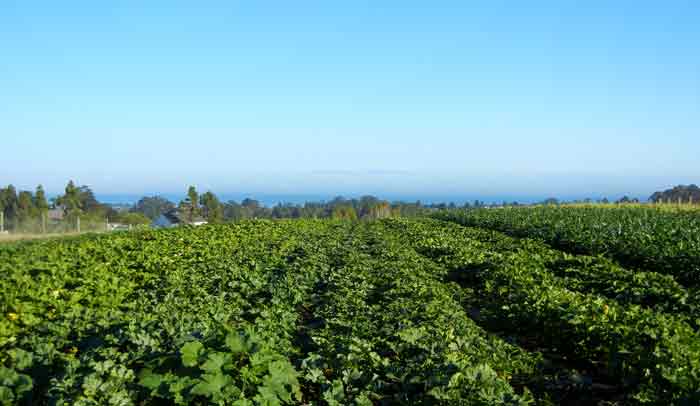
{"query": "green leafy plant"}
(338, 312)
(237, 368)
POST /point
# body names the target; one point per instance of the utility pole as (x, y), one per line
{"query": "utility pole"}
(78, 224)
(2, 221)
(43, 222)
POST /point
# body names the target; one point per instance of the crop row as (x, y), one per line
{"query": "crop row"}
(176, 315)
(638, 238)
(652, 356)
(387, 330)
(258, 313)
(333, 312)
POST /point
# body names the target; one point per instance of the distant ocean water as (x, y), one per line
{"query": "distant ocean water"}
(270, 200)
(267, 200)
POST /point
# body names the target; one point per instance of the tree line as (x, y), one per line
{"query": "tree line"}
(689, 194)
(28, 211)
(208, 207)
(19, 208)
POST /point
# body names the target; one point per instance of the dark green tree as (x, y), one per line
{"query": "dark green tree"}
(152, 207)
(40, 202)
(346, 212)
(627, 199)
(211, 207)
(8, 204)
(70, 200)
(88, 201)
(253, 209)
(25, 207)
(191, 204)
(680, 193)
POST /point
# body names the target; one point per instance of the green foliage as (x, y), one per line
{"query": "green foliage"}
(153, 207)
(40, 201)
(13, 383)
(131, 218)
(9, 205)
(640, 238)
(316, 312)
(71, 199)
(679, 194)
(28, 213)
(25, 206)
(344, 212)
(234, 367)
(652, 354)
(212, 209)
(191, 204)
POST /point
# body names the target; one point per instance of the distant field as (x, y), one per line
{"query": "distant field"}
(385, 312)
(656, 206)
(645, 238)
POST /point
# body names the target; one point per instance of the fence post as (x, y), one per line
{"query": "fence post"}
(78, 223)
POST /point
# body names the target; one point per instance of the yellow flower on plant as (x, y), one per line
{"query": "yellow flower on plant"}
(13, 316)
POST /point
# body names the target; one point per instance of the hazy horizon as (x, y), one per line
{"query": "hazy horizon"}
(568, 187)
(272, 199)
(313, 98)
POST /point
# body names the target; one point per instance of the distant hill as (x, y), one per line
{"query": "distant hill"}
(686, 194)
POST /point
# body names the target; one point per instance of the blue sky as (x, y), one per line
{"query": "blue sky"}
(483, 98)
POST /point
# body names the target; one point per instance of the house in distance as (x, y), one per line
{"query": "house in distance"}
(174, 218)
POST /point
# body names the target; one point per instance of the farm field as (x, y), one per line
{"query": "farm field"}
(329, 312)
(651, 239)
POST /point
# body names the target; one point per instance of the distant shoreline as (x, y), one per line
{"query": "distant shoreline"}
(271, 200)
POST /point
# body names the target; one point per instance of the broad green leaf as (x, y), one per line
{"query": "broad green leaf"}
(190, 353)
(215, 362)
(22, 359)
(151, 380)
(211, 385)
(236, 343)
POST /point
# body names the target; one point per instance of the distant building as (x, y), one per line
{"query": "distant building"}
(174, 218)
(167, 220)
(118, 227)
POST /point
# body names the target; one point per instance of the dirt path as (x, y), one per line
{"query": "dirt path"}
(11, 237)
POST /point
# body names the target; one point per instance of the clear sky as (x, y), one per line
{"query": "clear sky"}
(517, 98)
